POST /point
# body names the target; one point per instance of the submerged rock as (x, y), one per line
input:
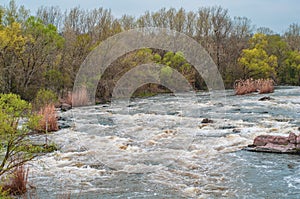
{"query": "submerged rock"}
(266, 98)
(206, 121)
(276, 144)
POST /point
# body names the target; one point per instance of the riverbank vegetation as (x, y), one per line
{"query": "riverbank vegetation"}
(17, 122)
(45, 51)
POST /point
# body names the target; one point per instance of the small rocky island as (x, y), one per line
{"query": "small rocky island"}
(276, 144)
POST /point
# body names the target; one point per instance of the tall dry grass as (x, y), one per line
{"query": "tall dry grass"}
(68, 98)
(48, 121)
(266, 86)
(17, 183)
(242, 87)
(80, 97)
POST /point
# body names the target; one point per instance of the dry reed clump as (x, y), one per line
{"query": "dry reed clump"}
(17, 182)
(266, 86)
(242, 87)
(48, 121)
(80, 97)
(68, 98)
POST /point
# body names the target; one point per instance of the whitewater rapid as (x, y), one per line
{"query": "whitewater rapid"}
(157, 147)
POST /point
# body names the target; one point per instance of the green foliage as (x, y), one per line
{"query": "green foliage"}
(4, 194)
(12, 46)
(289, 73)
(12, 40)
(166, 72)
(44, 97)
(157, 58)
(257, 64)
(46, 33)
(54, 80)
(83, 42)
(259, 41)
(276, 46)
(166, 75)
(255, 61)
(1, 16)
(167, 59)
(14, 142)
(46, 50)
(143, 56)
(269, 56)
(176, 61)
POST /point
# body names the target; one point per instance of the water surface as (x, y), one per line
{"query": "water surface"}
(157, 147)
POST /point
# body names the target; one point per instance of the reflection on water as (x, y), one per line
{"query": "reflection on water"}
(158, 148)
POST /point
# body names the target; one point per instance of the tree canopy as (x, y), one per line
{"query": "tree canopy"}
(45, 51)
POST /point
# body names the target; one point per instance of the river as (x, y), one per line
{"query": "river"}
(157, 147)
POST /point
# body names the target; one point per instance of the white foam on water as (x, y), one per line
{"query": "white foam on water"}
(166, 149)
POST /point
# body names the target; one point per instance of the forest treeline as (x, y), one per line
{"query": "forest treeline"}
(45, 51)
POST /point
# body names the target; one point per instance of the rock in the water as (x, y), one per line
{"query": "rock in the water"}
(206, 121)
(292, 138)
(65, 107)
(298, 140)
(265, 98)
(263, 140)
(63, 126)
(276, 144)
(64, 122)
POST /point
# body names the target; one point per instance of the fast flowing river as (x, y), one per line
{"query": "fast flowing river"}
(158, 148)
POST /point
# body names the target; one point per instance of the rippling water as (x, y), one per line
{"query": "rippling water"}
(158, 148)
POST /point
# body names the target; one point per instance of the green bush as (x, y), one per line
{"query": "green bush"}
(4, 194)
(15, 147)
(43, 98)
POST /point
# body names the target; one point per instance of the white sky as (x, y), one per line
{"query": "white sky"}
(275, 14)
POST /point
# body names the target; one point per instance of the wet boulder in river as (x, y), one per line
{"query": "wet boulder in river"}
(263, 140)
(266, 98)
(276, 144)
(206, 121)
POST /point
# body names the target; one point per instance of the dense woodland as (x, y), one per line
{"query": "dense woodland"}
(45, 51)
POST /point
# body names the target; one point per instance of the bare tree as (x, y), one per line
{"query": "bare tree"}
(292, 36)
(51, 15)
(222, 24)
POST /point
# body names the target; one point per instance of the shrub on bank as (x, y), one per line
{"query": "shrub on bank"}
(44, 104)
(14, 142)
(15, 145)
(43, 98)
(16, 184)
(48, 119)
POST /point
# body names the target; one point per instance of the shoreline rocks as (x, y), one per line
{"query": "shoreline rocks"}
(65, 107)
(276, 144)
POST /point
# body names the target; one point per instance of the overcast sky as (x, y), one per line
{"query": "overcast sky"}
(275, 14)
